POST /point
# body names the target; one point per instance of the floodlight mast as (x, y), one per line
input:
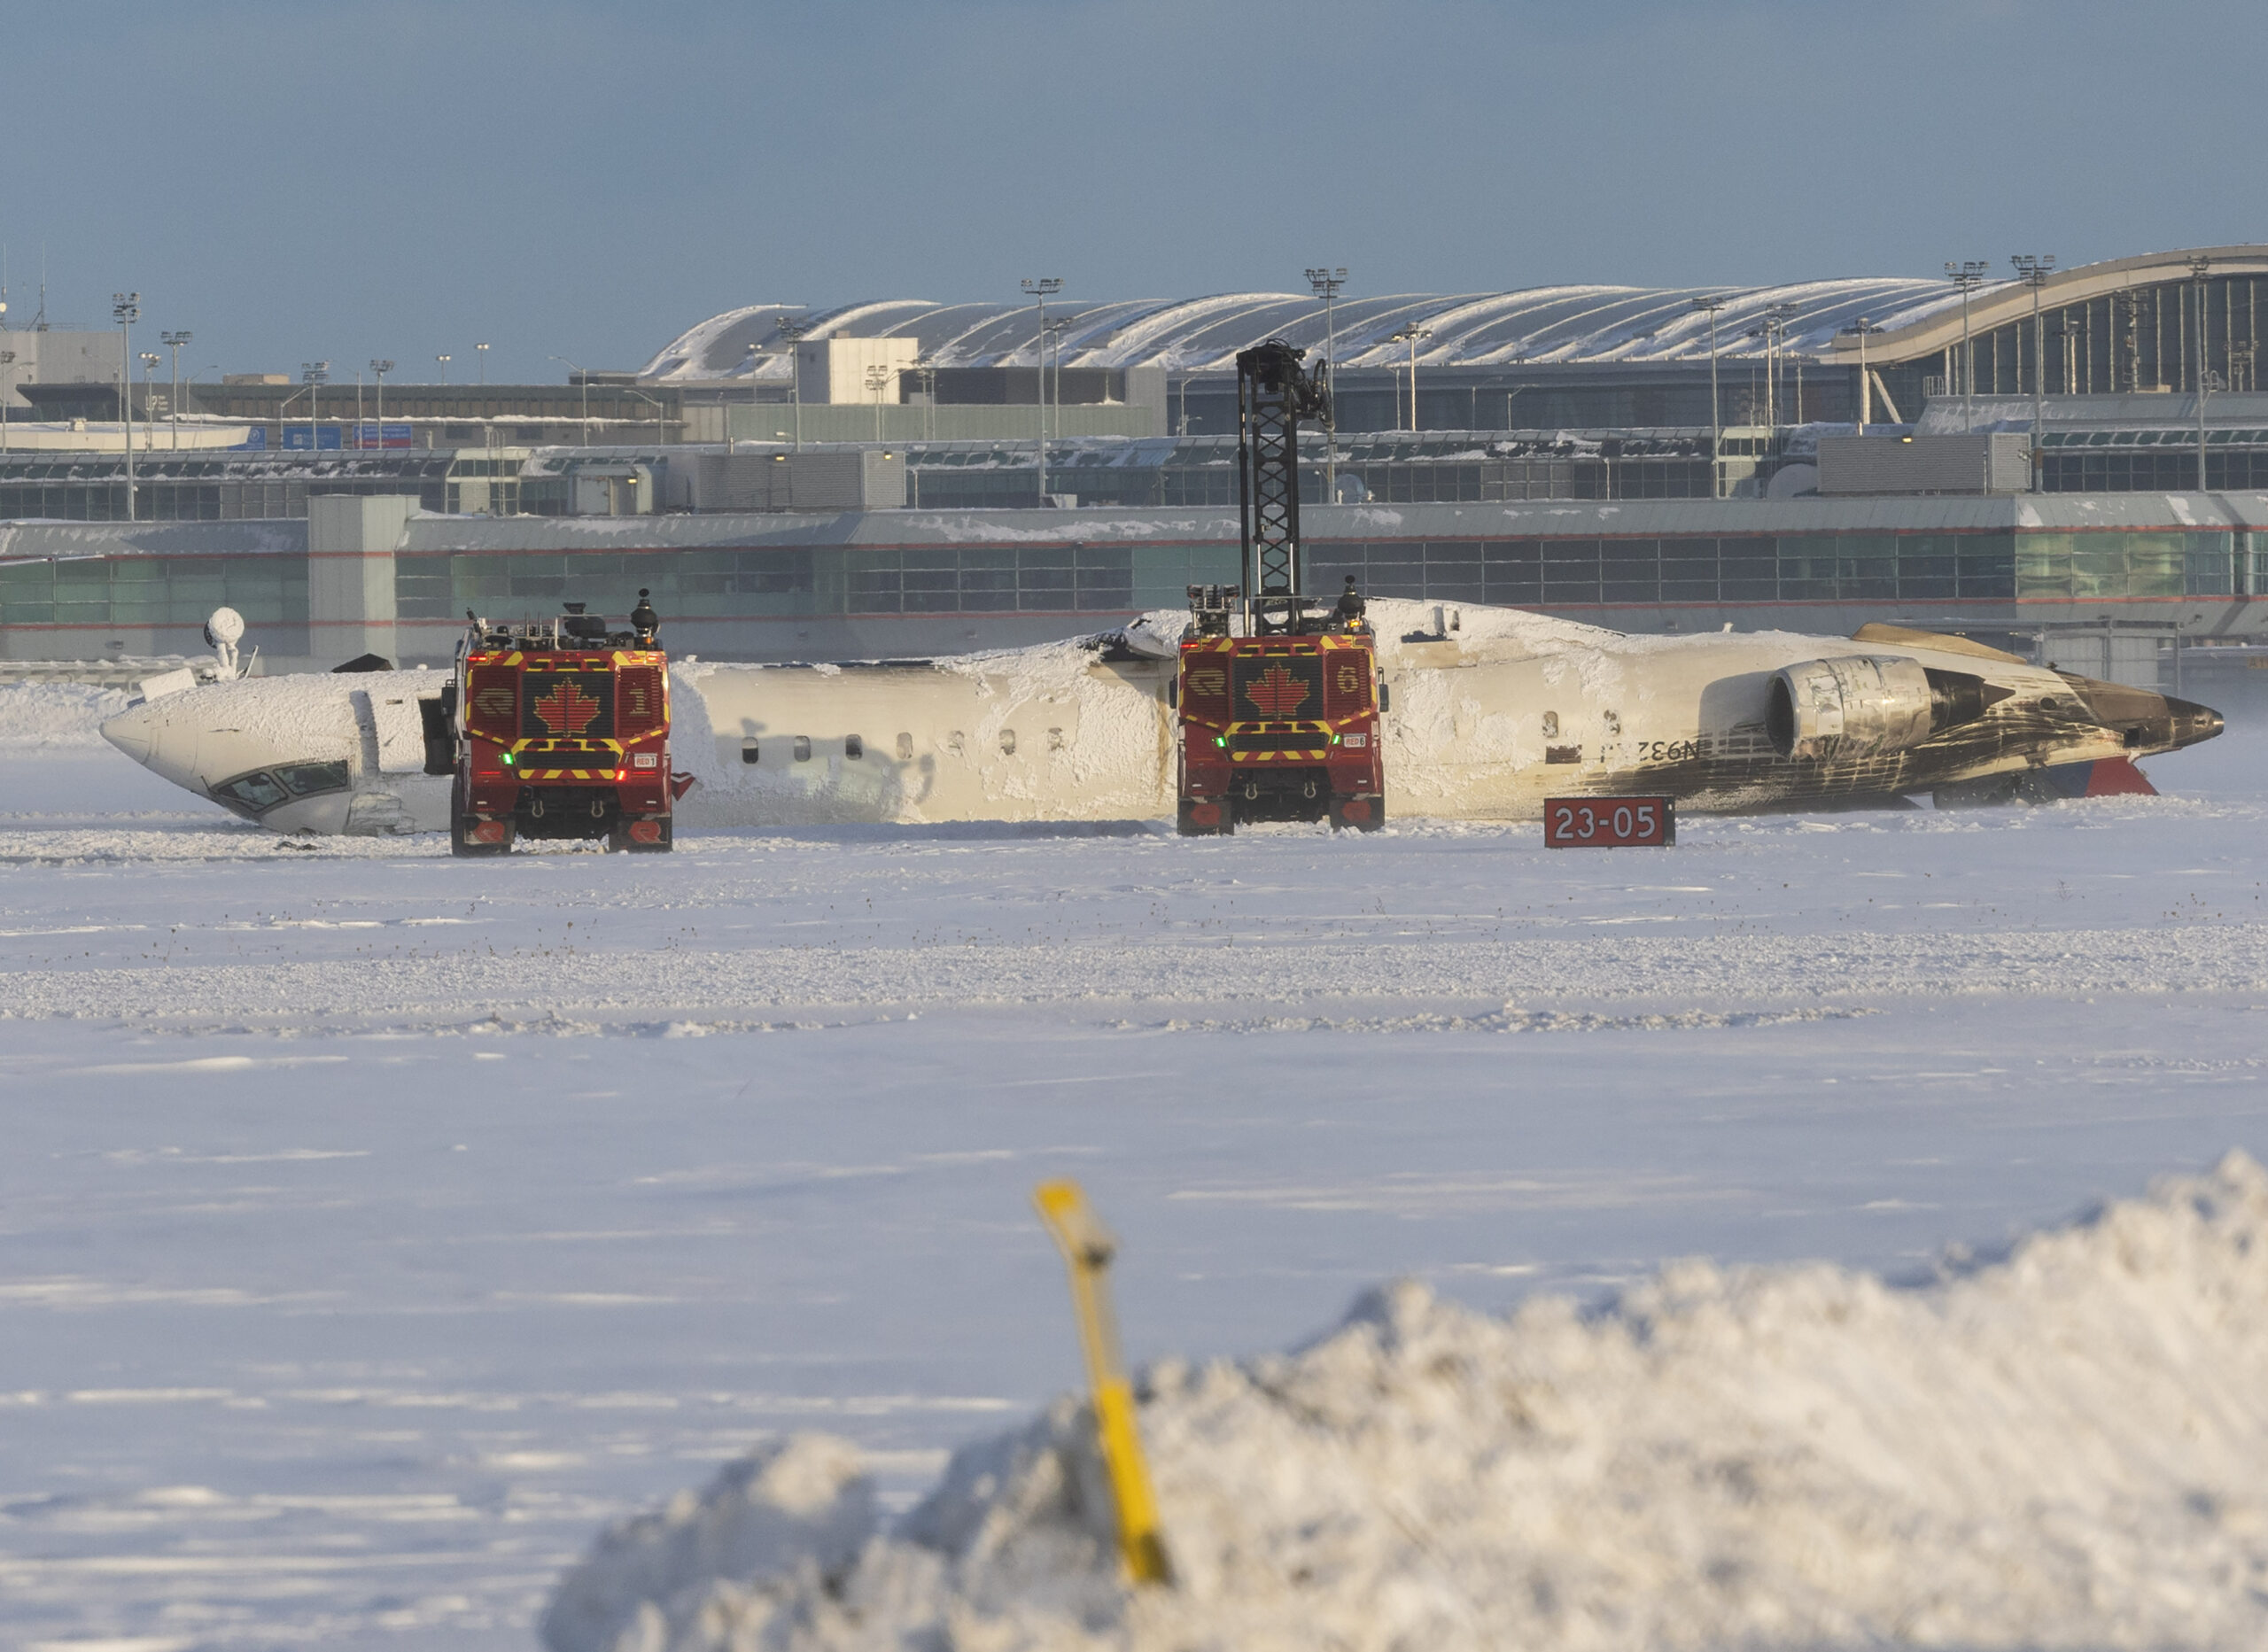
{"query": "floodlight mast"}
(1863, 330)
(1409, 334)
(379, 368)
(1967, 277)
(314, 375)
(1711, 305)
(789, 328)
(1039, 290)
(1327, 283)
(174, 342)
(2033, 270)
(125, 309)
(2198, 266)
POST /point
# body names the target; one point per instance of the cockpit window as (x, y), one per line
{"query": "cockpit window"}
(257, 793)
(305, 779)
(251, 793)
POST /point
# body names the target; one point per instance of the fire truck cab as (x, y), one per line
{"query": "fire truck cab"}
(1277, 700)
(562, 731)
(1282, 726)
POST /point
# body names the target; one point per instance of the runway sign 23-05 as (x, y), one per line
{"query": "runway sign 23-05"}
(1609, 822)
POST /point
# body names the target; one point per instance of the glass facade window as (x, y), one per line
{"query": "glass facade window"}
(1791, 568)
(1571, 568)
(149, 591)
(785, 582)
(2126, 564)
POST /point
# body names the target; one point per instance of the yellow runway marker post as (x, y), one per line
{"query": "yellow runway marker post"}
(1087, 1247)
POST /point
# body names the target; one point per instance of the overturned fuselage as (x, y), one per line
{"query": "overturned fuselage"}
(1482, 721)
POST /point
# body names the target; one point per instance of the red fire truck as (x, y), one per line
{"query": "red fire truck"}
(1278, 704)
(562, 731)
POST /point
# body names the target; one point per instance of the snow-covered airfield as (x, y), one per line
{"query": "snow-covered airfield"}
(378, 1225)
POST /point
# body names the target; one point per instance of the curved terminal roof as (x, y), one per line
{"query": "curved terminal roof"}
(1537, 326)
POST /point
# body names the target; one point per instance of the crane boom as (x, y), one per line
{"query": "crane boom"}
(1274, 392)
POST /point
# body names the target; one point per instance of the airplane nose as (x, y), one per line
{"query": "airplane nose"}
(134, 732)
(2192, 723)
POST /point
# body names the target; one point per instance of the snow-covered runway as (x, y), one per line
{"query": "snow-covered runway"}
(375, 1223)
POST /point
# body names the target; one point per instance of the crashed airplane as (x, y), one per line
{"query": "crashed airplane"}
(1487, 711)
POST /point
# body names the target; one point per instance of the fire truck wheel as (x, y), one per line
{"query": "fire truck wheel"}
(1362, 814)
(1205, 816)
(639, 837)
(462, 827)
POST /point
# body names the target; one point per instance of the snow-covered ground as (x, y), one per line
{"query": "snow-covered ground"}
(375, 1225)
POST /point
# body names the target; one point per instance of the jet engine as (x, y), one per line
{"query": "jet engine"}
(1868, 705)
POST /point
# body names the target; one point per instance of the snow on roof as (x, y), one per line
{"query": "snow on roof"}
(1541, 326)
(1536, 325)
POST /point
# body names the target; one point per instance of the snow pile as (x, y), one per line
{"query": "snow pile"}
(44, 715)
(797, 1509)
(2068, 1445)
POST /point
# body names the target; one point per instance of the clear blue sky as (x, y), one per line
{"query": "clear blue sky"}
(295, 179)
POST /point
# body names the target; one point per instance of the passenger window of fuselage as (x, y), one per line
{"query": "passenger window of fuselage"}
(853, 747)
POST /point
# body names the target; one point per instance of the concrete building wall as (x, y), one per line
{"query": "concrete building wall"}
(57, 357)
(834, 370)
(350, 546)
(1996, 463)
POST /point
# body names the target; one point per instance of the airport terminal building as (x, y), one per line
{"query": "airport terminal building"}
(888, 531)
(2134, 574)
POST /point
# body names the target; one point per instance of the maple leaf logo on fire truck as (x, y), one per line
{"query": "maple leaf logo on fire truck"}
(1276, 691)
(567, 709)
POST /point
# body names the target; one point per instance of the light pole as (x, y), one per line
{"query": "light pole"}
(2033, 270)
(174, 342)
(314, 374)
(660, 440)
(480, 354)
(1040, 291)
(7, 359)
(1709, 306)
(1862, 332)
(2198, 266)
(878, 378)
(1055, 330)
(443, 360)
(926, 365)
(584, 379)
(1409, 334)
(150, 360)
(793, 331)
(125, 309)
(378, 370)
(1967, 277)
(1775, 334)
(1326, 285)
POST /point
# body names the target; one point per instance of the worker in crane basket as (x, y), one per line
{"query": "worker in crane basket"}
(1351, 606)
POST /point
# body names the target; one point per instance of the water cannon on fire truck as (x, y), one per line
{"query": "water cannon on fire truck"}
(1278, 699)
(562, 731)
